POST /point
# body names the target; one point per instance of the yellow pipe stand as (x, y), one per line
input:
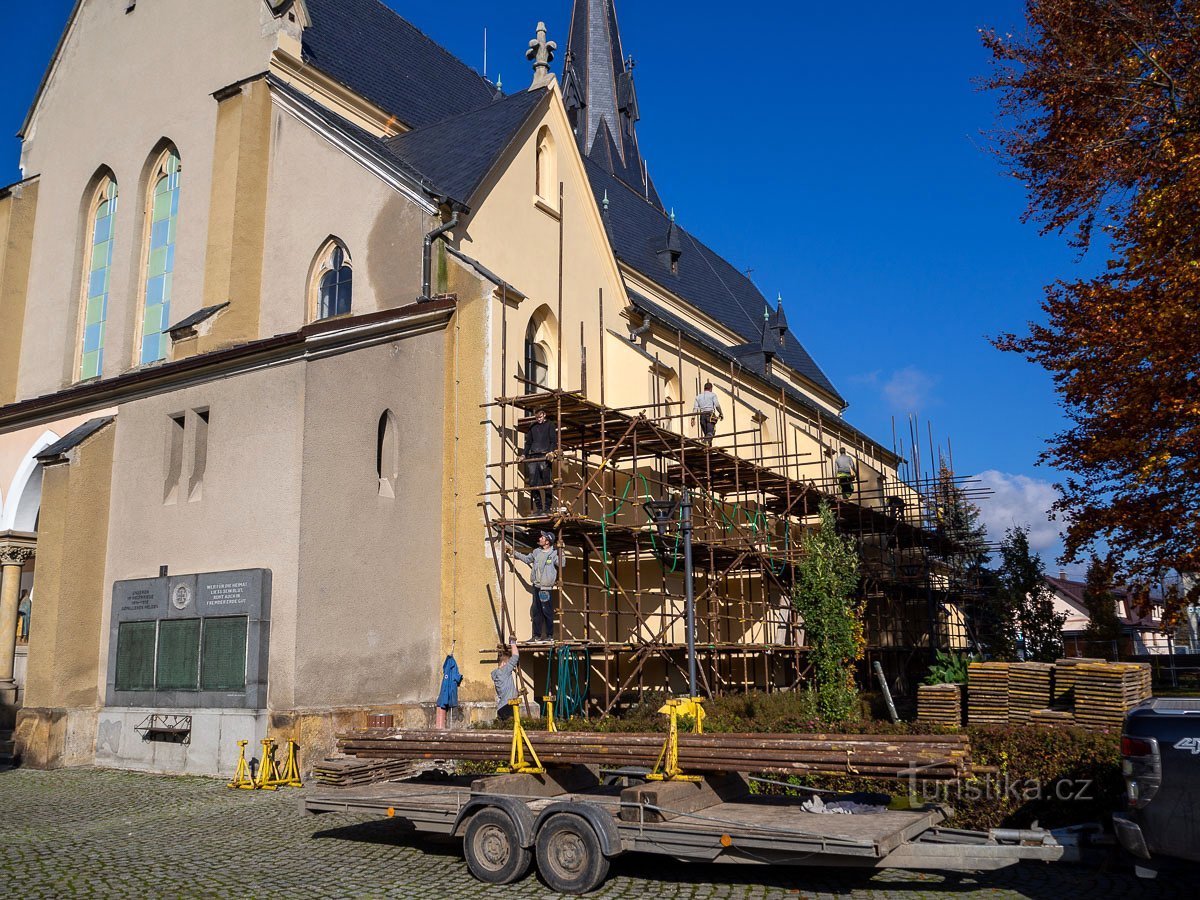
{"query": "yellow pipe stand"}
(667, 767)
(521, 743)
(242, 779)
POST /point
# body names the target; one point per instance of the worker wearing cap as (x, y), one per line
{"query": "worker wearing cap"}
(544, 563)
(709, 407)
(846, 470)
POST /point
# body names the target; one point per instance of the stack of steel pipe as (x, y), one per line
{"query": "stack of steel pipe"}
(877, 756)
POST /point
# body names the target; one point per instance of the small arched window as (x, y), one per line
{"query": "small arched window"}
(547, 168)
(333, 281)
(162, 215)
(537, 360)
(387, 454)
(97, 270)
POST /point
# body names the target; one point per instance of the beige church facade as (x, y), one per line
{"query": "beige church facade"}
(260, 289)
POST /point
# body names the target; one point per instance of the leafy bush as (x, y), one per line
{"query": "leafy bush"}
(948, 668)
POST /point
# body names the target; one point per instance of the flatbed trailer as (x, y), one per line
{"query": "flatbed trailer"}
(509, 822)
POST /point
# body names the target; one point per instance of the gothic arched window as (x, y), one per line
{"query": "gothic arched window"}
(546, 184)
(97, 270)
(537, 360)
(333, 281)
(162, 215)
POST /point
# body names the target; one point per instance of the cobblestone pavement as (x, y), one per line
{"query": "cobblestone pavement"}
(91, 833)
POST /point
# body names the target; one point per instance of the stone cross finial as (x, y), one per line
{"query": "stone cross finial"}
(541, 52)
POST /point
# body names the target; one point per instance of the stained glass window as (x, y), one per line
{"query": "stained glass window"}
(97, 271)
(336, 284)
(163, 213)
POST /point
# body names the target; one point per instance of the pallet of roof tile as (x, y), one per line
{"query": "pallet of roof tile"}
(1029, 688)
(1051, 718)
(940, 704)
(1065, 672)
(1105, 692)
(987, 693)
(341, 772)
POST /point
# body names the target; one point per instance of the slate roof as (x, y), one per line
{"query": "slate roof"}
(638, 230)
(73, 439)
(367, 47)
(749, 357)
(457, 154)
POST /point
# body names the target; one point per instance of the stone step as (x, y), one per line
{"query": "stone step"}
(7, 748)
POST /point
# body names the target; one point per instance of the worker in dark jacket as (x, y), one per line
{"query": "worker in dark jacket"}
(541, 442)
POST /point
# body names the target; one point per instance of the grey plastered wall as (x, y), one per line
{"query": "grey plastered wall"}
(248, 514)
(369, 604)
(316, 192)
(122, 84)
(205, 595)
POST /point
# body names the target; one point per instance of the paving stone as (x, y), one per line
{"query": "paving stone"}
(95, 833)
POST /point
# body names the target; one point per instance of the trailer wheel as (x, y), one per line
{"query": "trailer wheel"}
(569, 855)
(493, 851)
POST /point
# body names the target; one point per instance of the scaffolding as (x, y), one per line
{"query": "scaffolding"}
(621, 594)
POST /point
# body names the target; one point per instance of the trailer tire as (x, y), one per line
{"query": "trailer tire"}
(493, 849)
(569, 855)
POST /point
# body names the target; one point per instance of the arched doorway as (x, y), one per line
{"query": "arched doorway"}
(19, 519)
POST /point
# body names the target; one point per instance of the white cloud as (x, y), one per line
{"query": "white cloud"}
(909, 390)
(1018, 500)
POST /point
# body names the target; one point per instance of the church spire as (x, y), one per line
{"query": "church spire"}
(600, 96)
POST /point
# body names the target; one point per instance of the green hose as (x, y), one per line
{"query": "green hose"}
(571, 673)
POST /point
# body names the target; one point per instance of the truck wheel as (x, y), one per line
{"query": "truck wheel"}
(493, 851)
(569, 855)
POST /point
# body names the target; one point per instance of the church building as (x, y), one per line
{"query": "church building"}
(280, 288)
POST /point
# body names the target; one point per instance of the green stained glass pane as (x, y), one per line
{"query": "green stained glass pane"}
(223, 655)
(152, 319)
(173, 164)
(158, 262)
(162, 204)
(135, 656)
(95, 311)
(90, 366)
(100, 256)
(178, 655)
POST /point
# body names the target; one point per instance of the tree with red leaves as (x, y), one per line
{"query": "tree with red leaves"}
(1100, 105)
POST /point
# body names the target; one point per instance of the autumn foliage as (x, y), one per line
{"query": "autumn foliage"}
(1101, 121)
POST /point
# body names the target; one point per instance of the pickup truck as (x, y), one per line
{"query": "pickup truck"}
(1160, 749)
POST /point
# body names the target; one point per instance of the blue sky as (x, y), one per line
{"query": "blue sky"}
(837, 152)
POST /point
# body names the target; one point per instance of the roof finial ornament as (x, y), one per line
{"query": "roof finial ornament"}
(606, 199)
(672, 215)
(541, 53)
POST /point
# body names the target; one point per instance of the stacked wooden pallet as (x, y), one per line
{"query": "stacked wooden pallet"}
(931, 757)
(1065, 671)
(940, 704)
(987, 693)
(1105, 692)
(1052, 718)
(338, 772)
(1029, 689)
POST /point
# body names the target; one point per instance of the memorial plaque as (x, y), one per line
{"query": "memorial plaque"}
(140, 600)
(231, 594)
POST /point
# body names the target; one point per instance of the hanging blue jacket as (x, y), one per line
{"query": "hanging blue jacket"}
(451, 679)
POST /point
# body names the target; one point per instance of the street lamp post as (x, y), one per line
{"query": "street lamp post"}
(661, 513)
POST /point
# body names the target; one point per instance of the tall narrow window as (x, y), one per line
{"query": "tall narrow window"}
(333, 281)
(176, 427)
(162, 215)
(387, 455)
(199, 454)
(96, 274)
(546, 183)
(537, 361)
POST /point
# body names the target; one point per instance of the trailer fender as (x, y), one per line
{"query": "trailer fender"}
(515, 809)
(602, 823)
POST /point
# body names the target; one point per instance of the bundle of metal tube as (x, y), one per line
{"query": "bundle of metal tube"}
(880, 756)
